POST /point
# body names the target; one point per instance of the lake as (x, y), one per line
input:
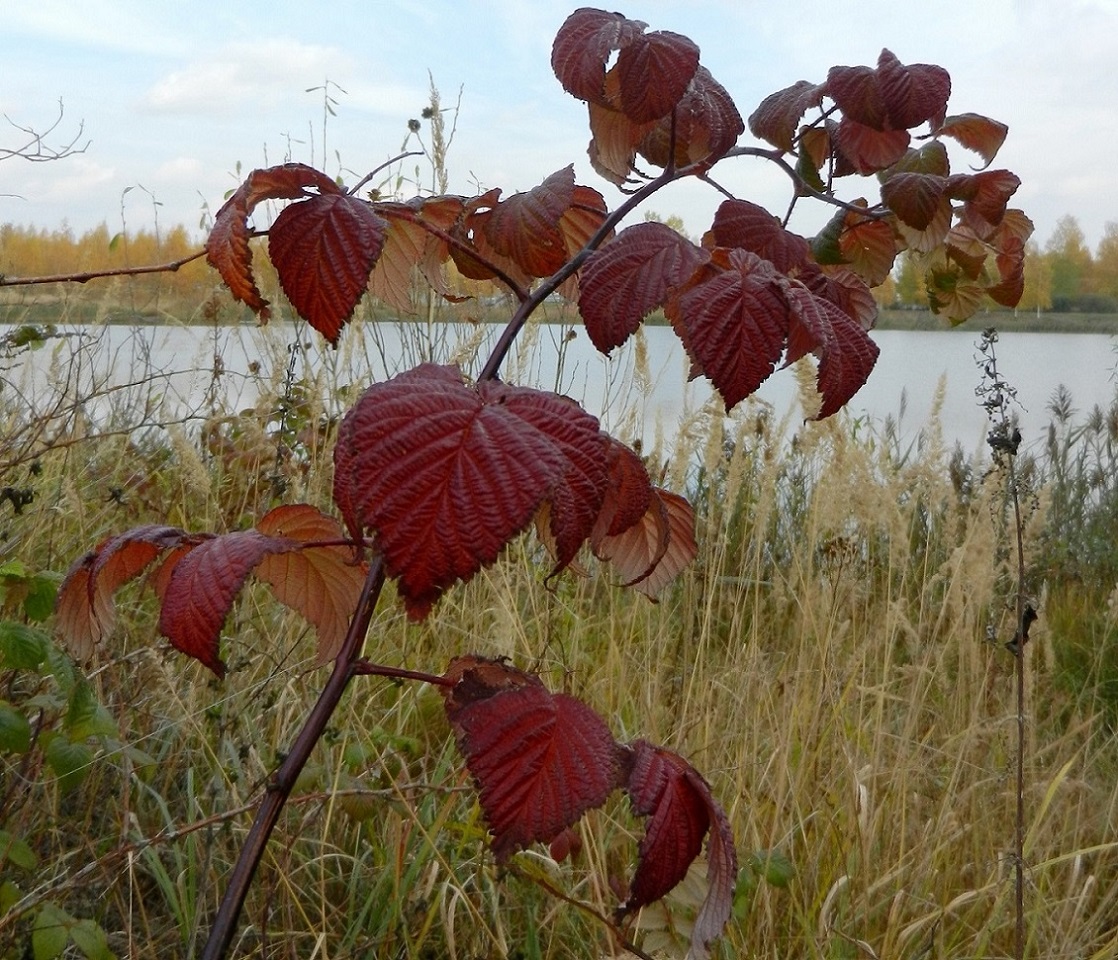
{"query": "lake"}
(640, 390)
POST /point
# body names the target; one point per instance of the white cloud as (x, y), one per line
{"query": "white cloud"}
(259, 74)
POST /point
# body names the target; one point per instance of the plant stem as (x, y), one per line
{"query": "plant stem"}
(283, 782)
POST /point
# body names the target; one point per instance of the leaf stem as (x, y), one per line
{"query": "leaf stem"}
(283, 781)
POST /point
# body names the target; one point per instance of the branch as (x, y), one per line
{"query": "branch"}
(802, 186)
(283, 782)
(170, 267)
(35, 150)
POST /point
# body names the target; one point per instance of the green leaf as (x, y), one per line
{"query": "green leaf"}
(42, 590)
(90, 939)
(61, 667)
(13, 569)
(22, 647)
(69, 761)
(51, 932)
(774, 866)
(17, 852)
(15, 731)
(86, 717)
(825, 245)
(10, 895)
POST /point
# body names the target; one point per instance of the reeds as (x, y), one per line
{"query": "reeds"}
(833, 662)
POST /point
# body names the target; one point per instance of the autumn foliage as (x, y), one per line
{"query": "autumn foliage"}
(436, 474)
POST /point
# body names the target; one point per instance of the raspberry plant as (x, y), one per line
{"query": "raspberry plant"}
(435, 475)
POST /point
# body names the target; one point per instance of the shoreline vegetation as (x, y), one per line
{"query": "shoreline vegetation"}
(76, 308)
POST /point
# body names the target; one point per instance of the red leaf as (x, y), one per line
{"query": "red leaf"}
(778, 116)
(734, 321)
(614, 137)
(845, 289)
(985, 197)
(1011, 271)
(707, 125)
(540, 759)
(846, 353)
(868, 246)
(227, 248)
(869, 150)
(323, 250)
(681, 810)
(409, 246)
(652, 552)
(975, 132)
(202, 587)
(857, 94)
(739, 223)
(914, 93)
(322, 583)
(627, 497)
(583, 45)
(445, 474)
(526, 227)
(629, 277)
(85, 611)
(914, 197)
(654, 71)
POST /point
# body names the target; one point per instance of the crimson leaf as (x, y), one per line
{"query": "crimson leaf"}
(202, 586)
(733, 320)
(583, 45)
(227, 248)
(445, 474)
(739, 223)
(654, 71)
(629, 277)
(540, 759)
(323, 250)
(677, 801)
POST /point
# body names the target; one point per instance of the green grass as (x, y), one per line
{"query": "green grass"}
(825, 662)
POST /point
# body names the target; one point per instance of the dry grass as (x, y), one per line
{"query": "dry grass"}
(825, 663)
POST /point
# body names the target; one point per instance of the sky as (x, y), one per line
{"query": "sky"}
(174, 98)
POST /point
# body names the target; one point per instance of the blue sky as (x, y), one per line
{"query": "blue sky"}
(173, 96)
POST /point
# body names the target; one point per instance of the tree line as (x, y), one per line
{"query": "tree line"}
(1063, 276)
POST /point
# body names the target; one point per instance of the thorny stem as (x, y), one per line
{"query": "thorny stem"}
(283, 781)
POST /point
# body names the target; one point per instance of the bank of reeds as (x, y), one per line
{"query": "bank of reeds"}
(834, 662)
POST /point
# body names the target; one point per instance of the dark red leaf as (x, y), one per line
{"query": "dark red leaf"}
(913, 94)
(445, 474)
(857, 94)
(975, 132)
(629, 277)
(985, 197)
(583, 45)
(322, 583)
(323, 250)
(846, 353)
(203, 586)
(1010, 262)
(227, 248)
(778, 116)
(628, 495)
(707, 125)
(85, 610)
(526, 227)
(654, 71)
(540, 759)
(680, 811)
(739, 223)
(845, 289)
(734, 321)
(914, 197)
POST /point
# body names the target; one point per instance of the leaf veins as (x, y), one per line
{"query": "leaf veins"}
(540, 759)
(445, 474)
